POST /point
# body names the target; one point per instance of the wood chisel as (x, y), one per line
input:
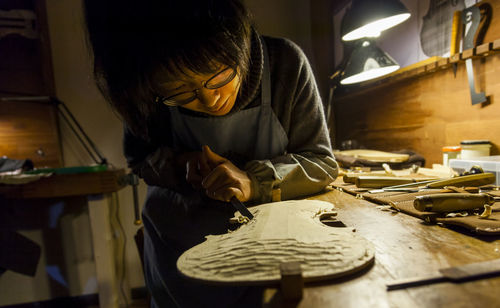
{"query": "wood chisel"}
(351, 177)
(449, 202)
(383, 181)
(455, 274)
(455, 38)
(241, 207)
(479, 179)
(471, 18)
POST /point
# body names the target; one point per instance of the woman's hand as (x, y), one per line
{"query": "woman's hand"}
(224, 180)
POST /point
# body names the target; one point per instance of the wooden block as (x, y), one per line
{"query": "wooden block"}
(496, 44)
(431, 67)
(292, 282)
(420, 70)
(483, 49)
(443, 63)
(455, 58)
(466, 54)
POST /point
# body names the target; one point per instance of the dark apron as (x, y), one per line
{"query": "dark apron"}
(175, 222)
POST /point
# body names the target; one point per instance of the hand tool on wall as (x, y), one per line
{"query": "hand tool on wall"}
(471, 20)
(455, 274)
(455, 37)
(450, 202)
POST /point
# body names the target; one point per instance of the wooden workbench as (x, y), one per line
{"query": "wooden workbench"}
(405, 247)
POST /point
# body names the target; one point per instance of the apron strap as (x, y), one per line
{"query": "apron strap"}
(266, 77)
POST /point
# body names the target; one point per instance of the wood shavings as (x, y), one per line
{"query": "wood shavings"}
(461, 214)
(385, 208)
(394, 206)
(486, 213)
(326, 214)
(239, 220)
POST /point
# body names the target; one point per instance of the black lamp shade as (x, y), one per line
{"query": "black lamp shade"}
(367, 18)
(367, 62)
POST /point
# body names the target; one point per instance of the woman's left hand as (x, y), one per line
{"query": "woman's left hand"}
(225, 180)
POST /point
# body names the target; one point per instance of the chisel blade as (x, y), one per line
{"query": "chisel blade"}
(465, 272)
(241, 207)
(414, 282)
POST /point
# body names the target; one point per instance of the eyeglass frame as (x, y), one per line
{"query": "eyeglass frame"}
(168, 102)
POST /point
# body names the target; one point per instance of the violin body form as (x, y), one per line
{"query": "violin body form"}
(281, 232)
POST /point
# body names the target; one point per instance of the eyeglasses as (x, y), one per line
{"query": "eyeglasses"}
(219, 80)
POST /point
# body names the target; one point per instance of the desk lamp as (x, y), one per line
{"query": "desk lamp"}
(366, 62)
(368, 18)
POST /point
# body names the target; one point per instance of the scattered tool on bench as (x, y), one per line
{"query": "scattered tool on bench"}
(455, 274)
(450, 202)
(369, 181)
(479, 179)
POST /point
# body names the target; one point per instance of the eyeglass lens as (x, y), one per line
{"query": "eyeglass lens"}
(219, 80)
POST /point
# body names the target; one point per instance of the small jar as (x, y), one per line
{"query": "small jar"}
(450, 152)
(475, 148)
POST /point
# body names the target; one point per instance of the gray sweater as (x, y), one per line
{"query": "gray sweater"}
(308, 165)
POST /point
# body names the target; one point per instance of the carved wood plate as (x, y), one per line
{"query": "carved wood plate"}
(280, 232)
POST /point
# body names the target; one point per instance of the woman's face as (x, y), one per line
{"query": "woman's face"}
(216, 102)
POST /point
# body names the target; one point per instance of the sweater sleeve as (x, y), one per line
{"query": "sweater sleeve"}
(308, 166)
(155, 164)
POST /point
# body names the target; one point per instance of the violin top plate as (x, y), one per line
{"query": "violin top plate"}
(281, 232)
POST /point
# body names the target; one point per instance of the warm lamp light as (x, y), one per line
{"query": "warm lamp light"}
(367, 62)
(368, 18)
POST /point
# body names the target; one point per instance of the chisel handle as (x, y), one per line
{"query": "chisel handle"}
(383, 181)
(479, 179)
(351, 177)
(450, 202)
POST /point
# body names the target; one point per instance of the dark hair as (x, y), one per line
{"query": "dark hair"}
(132, 41)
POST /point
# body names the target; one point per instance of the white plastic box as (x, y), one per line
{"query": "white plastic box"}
(488, 163)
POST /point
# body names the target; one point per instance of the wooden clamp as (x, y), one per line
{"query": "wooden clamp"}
(292, 282)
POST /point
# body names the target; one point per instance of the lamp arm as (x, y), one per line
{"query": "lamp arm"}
(61, 106)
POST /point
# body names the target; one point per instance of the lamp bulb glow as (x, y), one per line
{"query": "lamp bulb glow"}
(374, 29)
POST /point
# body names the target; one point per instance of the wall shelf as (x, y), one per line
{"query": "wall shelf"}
(421, 68)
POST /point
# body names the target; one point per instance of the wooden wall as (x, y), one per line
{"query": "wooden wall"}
(426, 108)
(424, 113)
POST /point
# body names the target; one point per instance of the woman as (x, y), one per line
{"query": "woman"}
(212, 110)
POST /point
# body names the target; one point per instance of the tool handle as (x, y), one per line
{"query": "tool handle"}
(465, 180)
(449, 202)
(351, 177)
(383, 181)
(472, 270)
(455, 33)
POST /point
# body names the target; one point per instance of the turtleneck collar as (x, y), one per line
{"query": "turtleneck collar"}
(251, 86)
